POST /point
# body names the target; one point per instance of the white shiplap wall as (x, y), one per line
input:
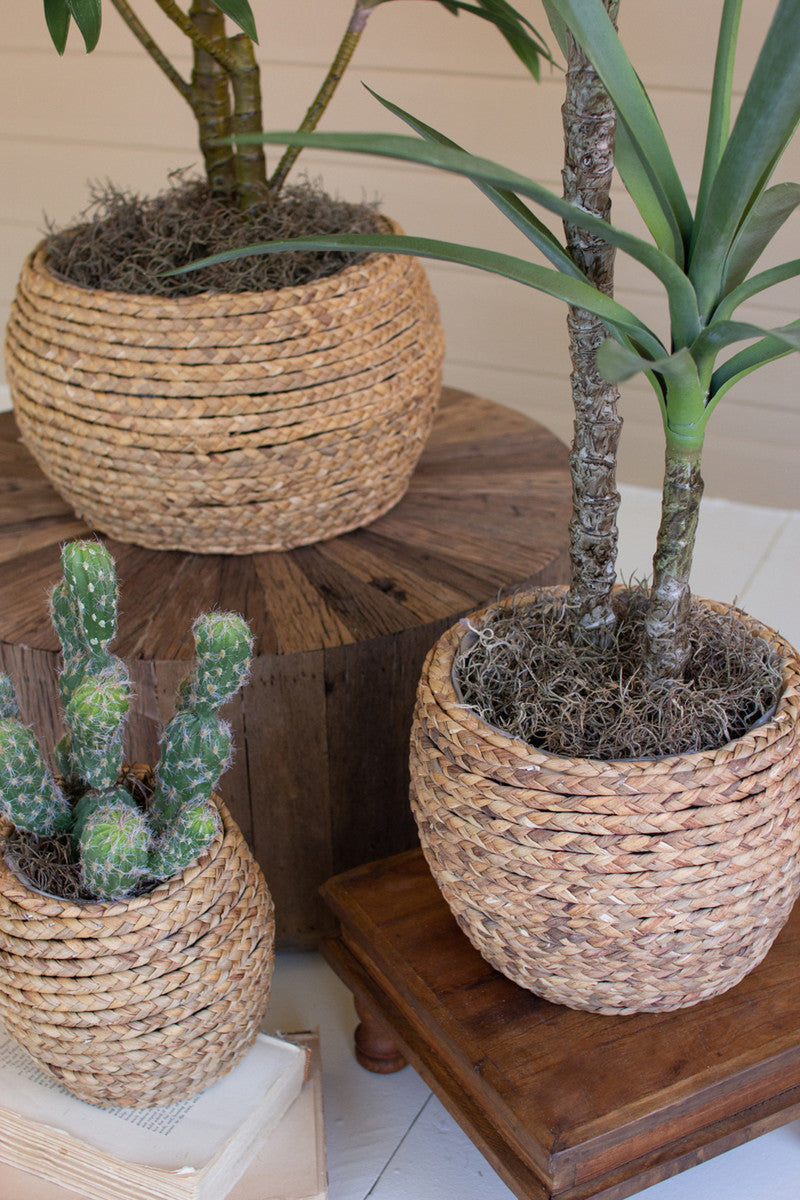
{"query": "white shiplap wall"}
(112, 116)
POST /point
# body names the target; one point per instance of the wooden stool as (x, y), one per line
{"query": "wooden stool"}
(320, 778)
(565, 1105)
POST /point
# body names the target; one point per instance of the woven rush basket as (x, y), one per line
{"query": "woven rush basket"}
(615, 887)
(145, 1001)
(230, 423)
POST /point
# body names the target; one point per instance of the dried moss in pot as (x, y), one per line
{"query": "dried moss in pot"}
(522, 670)
(128, 243)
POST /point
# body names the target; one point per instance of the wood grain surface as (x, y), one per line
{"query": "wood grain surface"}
(320, 780)
(566, 1105)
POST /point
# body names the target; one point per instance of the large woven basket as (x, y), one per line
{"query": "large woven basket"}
(145, 1001)
(228, 423)
(616, 887)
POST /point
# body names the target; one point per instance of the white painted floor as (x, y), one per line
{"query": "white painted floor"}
(388, 1137)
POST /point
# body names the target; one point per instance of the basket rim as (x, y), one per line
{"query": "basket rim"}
(36, 261)
(438, 676)
(16, 889)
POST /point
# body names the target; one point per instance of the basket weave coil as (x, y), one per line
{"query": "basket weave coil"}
(145, 1001)
(616, 887)
(228, 423)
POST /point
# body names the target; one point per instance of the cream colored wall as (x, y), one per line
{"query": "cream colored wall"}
(112, 116)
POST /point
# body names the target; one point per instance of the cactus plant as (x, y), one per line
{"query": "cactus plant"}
(114, 850)
(118, 843)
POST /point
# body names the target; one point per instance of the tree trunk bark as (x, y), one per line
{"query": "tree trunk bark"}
(667, 643)
(589, 124)
(212, 101)
(251, 168)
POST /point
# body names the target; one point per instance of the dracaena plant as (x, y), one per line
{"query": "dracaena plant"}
(706, 259)
(224, 89)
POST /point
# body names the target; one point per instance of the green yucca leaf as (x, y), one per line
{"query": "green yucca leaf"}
(755, 284)
(719, 118)
(574, 291)
(507, 202)
(767, 118)
(682, 302)
(772, 208)
(591, 26)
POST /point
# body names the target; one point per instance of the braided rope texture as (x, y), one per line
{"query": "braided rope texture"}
(229, 423)
(145, 1001)
(614, 887)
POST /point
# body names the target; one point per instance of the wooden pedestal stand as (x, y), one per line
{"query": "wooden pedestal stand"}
(565, 1105)
(320, 779)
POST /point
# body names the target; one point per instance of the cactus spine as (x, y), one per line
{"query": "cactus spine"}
(114, 849)
(196, 747)
(29, 796)
(117, 841)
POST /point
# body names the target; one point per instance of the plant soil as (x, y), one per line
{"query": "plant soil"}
(522, 672)
(125, 243)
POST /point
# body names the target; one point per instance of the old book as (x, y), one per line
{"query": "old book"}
(192, 1150)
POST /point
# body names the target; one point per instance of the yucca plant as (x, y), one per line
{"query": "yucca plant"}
(705, 259)
(224, 89)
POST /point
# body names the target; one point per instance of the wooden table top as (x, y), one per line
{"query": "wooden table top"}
(487, 508)
(566, 1105)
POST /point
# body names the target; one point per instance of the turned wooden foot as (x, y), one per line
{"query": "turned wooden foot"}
(374, 1048)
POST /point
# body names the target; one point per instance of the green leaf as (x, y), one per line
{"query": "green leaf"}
(57, 16)
(88, 17)
(755, 284)
(750, 359)
(658, 219)
(509, 205)
(759, 227)
(719, 118)
(241, 14)
(591, 26)
(724, 333)
(616, 363)
(767, 118)
(558, 27)
(577, 292)
(513, 26)
(683, 307)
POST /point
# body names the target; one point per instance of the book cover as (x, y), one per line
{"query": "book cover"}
(192, 1150)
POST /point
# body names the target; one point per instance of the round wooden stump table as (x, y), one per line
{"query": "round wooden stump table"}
(319, 783)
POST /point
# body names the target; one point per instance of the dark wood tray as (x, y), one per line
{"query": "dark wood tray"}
(565, 1105)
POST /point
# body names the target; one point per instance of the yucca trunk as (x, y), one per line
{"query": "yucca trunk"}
(667, 644)
(589, 125)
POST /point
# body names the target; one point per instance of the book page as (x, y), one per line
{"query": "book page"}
(182, 1137)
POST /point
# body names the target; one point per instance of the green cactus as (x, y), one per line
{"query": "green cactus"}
(95, 719)
(117, 843)
(224, 645)
(90, 802)
(9, 709)
(195, 751)
(29, 796)
(114, 849)
(193, 829)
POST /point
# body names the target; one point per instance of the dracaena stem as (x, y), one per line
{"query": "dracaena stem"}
(156, 53)
(212, 101)
(344, 53)
(251, 172)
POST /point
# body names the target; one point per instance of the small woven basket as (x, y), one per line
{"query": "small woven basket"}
(616, 887)
(145, 1001)
(229, 423)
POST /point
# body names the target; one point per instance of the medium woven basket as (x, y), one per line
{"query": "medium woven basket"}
(145, 1001)
(228, 423)
(616, 887)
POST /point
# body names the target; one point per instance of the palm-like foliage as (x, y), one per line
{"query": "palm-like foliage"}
(706, 260)
(224, 90)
